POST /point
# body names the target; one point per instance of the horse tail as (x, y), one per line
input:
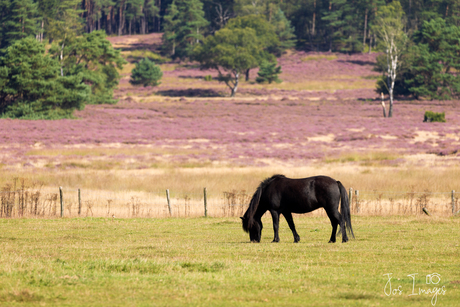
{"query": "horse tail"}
(254, 203)
(345, 209)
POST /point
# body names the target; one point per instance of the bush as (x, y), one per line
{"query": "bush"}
(208, 78)
(434, 117)
(146, 73)
(268, 72)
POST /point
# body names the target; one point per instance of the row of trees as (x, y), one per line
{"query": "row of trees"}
(336, 25)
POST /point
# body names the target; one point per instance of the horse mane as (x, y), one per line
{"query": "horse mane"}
(254, 203)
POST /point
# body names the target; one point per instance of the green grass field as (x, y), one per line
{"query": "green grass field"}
(210, 262)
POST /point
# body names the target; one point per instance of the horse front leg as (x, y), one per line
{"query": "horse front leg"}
(276, 221)
(288, 217)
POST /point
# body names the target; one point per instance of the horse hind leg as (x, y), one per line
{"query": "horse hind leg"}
(288, 217)
(336, 219)
(342, 228)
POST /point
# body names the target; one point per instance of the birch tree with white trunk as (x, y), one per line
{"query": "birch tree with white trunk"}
(389, 27)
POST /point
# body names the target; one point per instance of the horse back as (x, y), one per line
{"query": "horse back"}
(301, 195)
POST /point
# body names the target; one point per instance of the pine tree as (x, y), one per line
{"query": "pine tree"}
(284, 31)
(436, 62)
(64, 25)
(31, 86)
(19, 19)
(344, 26)
(133, 12)
(170, 27)
(92, 56)
(146, 73)
(268, 72)
(184, 27)
(149, 11)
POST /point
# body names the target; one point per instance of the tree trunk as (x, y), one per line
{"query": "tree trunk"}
(158, 18)
(130, 24)
(330, 28)
(108, 23)
(392, 61)
(235, 86)
(370, 43)
(41, 32)
(61, 57)
(365, 30)
(247, 75)
(314, 19)
(143, 24)
(121, 20)
(383, 106)
(390, 111)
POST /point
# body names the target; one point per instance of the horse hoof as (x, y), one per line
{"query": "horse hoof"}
(275, 241)
(330, 241)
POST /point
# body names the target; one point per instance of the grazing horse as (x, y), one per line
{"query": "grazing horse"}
(281, 195)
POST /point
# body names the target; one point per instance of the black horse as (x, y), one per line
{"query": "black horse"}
(281, 195)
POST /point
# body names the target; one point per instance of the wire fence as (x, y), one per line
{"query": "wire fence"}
(404, 203)
(40, 201)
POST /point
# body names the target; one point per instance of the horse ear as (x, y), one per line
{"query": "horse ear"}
(242, 218)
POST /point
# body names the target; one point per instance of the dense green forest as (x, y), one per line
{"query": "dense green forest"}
(54, 57)
(337, 25)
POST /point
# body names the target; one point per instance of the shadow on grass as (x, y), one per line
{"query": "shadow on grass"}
(358, 296)
(191, 77)
(191, 93)
(358, 62)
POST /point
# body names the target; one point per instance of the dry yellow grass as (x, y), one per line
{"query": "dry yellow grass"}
(432, 177)
(130, 193)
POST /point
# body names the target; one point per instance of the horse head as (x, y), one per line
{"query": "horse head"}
(254, 229)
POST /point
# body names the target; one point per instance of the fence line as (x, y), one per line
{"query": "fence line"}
(68, 202)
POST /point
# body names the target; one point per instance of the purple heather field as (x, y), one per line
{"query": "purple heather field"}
(187, 119)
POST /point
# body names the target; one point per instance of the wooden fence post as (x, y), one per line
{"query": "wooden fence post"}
(169, 202)
(62, 201)
(350, 197)
(205, 203)
(453, 202)
(79, 202)
(357, 200)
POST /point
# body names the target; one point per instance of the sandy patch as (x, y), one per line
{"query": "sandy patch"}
(388, 137)
(356, 129)
(423, 136)
(199, 141)
(322, 138)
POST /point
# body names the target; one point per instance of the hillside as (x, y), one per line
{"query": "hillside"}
(324, 118)
(326, 108)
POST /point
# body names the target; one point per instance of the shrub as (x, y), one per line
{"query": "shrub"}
(434, 117)
(146, 73)
(208, 78)
(268, 72)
